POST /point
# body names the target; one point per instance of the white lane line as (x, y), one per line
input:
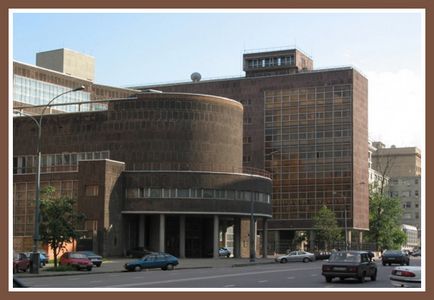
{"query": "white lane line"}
(229, 285)
(72, 279)
(292, 277)
(210, 277)
(262, 281)
(95, 281)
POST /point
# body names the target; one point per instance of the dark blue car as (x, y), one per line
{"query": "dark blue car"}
(154, 260)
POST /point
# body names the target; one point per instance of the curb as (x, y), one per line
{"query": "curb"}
(73, 273)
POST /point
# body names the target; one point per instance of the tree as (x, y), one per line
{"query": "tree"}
(326, 227)
(384, 221)
(59, 221)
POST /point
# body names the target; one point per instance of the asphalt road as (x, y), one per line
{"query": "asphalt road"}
(289, 275)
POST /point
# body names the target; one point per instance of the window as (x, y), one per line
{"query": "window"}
(91, 190)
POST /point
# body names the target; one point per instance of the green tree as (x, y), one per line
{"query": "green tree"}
(59, 221)
(326, 227)
(385, 221)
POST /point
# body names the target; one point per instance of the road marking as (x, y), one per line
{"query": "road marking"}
(71, 279)
(210, 277)
(314, 275)
(95, 281)
(262, 281)
(229, 285)
(292, 277)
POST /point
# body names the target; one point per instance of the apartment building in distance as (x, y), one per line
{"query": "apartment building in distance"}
(309, 129)
(402, 165)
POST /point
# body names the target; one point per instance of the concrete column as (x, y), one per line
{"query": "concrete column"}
(264, 237)
(237, 237)
(360, 238)
(312, 244)
(162, 237)
(141, 231)
(182, 237)
(349, 239)
(216, 237)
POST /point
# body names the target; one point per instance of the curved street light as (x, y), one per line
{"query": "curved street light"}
(36, 236)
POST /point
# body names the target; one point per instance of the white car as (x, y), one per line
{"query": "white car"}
(406, 276)
(296, 256)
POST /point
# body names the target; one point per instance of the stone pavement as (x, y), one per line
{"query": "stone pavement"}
(112, 265)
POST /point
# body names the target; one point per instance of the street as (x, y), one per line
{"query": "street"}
(289, 275)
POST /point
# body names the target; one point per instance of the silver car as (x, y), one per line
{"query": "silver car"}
(296, 256)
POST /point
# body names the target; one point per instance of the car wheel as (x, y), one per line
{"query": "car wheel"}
(98, 265)
(390, 264)
(89, 268)
(329, 278)
(408, 263)
(384, 263)
(229, 255)
(137, 268)
(374, 276)
(306, 260)
(362, 277)
(170, 267)
(283, 260)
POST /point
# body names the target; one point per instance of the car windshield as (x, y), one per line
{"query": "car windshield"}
(345, 257)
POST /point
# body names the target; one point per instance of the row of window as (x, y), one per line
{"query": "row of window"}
(404, 193)
(192, 193)
(36, 92)
(270, 62)
(28, 164)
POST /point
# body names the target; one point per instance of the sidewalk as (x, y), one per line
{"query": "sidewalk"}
(114, 265)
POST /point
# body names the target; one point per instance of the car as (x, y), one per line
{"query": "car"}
(321, 255)
(20, 262)
(349, 264)
(42, 258)
(223, 251)
(76, 260)
(296, 256)
(406, 276)
(94, 258)
(161, 260)
(138, 252)
(395, 257)
(416, 253)
(17, 283)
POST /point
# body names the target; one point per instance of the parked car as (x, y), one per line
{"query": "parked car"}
(349, 264)
(405, 276)
(20, 262)
(161, 260)
(223, 251)
(94, 258)
(17, 283)
(416, 253)
(42, 258)
(296, 256)
(76, 260)
(395, 257)
(321, 255)
(138, 252)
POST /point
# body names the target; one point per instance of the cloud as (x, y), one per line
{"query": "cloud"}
(397, 108)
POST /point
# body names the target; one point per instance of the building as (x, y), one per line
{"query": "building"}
(309, 129)
(56, 72)
(154, 170)
(396, 161)
(408, 190)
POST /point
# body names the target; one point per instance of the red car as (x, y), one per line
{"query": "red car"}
(21, 262)
(76, 260)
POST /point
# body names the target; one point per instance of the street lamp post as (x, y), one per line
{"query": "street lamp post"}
(34, 268)
(346, 230)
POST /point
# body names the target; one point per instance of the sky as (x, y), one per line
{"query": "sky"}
(139, 47)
